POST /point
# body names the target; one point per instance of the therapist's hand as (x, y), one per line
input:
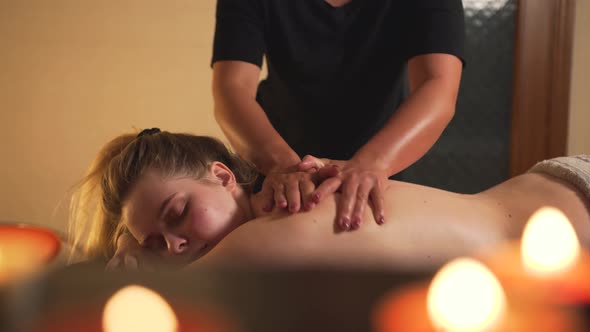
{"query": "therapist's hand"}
(286, 188)
(359, 184)
(291, 188)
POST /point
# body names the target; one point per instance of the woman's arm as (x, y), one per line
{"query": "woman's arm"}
(130, 255)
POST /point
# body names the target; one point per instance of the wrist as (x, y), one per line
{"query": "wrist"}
(280, 163)
(372, 162)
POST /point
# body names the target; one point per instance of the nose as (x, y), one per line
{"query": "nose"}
(176, 244)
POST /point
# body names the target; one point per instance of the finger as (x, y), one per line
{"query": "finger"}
(376, 198)
(113, 263)
(279, 196)
(306, 189)
(293, 196)
(360, 203)
(347, 201)
(328, 171)
(326, 188)
(131, 262)
(310, 162)
(305, 166)
(266, 197)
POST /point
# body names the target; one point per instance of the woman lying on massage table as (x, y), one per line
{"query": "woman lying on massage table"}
(180, 198)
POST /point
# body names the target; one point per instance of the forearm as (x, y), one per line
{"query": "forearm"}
(249, 131)
(413, 129)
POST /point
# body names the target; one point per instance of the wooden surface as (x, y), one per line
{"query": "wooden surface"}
(542, 67)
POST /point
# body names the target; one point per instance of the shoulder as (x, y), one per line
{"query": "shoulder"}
(273, 240)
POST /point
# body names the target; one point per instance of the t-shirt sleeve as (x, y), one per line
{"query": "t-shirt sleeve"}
(436, 26)
(239, 32)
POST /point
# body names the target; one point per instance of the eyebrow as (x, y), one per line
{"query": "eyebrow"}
(161, 211)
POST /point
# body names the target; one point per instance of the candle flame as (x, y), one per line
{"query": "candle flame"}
(25, 250)
(465, 296)
(136, 308)
(17, 260)
(549, 243)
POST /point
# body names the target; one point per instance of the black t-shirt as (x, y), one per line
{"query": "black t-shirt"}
(335, 74)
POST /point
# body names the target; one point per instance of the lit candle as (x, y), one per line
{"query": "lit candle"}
(549, 243)
(466, 296)
(25, 249)
(547, 263)
(136, 308)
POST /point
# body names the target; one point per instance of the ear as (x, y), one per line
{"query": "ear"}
(223, 174)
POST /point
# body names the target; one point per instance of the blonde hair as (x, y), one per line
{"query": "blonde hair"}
(95, 209)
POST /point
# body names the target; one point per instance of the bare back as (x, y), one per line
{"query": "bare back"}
(424, 228)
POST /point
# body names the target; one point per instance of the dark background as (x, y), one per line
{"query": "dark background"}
(473, 152)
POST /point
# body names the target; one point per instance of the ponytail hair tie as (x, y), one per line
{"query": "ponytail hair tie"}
(148, 132)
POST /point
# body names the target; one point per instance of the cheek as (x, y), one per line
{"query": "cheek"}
(208, 223)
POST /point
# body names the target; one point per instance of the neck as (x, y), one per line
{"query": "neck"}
(337, 3)
(244, 202)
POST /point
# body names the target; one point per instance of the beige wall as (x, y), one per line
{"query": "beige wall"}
(579, 125)
(75, 73)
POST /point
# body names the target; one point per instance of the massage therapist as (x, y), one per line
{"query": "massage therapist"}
(335, 90)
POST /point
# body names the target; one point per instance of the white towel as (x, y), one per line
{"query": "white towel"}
(574, 170)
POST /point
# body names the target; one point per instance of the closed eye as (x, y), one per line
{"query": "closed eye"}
(176, 219)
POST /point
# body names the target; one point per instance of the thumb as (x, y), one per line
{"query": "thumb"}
(264, 200)
(308, 162)
(329, 171)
